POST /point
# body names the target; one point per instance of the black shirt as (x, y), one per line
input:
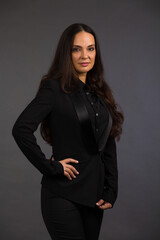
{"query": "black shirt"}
(97, 110)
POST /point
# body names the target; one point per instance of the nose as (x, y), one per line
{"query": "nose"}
(84, 54)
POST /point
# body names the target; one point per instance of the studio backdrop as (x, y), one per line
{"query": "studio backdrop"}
(129, 36)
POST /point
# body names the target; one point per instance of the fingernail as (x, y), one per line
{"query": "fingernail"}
(77, 161)
(97, 203)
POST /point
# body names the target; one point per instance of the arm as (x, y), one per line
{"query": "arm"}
(111, 172)
(27, 123)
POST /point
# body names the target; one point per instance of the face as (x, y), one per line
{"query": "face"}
(83, 53)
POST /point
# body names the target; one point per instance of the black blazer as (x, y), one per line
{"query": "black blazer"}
(98, 176)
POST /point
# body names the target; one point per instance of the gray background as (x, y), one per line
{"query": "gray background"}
(129, 35)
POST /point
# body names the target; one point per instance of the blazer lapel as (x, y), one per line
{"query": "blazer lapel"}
(85, 122)
(106, 132)
(86, 126)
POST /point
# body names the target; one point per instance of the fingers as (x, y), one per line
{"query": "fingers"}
(106, 206)
(73, 169)
(69, 173)
(103, 204)
(100, 202)
(69, 170)
(67, 160)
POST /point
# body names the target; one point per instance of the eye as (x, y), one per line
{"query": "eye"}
(75, 49)
(91, 49)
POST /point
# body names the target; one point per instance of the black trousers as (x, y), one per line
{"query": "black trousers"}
(66, 220)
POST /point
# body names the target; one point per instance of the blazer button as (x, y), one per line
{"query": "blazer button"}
(92, 103)
(87, 93)
(96, 129)
(97, 114)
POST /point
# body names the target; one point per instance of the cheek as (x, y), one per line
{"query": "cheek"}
(74, 59)
(93, 56)
(93, 59)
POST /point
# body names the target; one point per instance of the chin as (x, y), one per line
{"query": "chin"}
(84, 70)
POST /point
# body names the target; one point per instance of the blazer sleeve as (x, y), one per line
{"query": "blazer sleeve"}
(111, 172)
(27, 123)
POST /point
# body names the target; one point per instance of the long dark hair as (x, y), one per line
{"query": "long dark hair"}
(63, 70)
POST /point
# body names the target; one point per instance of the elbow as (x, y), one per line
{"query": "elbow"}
(15, 130)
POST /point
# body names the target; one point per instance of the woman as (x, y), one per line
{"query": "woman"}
(80, 120)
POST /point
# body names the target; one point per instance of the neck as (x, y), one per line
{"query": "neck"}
(83, 78)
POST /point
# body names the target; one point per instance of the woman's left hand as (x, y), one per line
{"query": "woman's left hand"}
(103, 204)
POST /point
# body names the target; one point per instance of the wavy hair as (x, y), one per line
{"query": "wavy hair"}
(62, 69)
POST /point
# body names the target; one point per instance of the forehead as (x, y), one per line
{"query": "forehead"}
(83, 39)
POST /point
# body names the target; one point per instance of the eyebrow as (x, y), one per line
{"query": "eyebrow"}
(81, 47)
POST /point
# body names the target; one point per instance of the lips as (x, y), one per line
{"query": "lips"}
(84, 64)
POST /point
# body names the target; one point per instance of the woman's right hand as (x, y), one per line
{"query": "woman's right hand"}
(69, 170)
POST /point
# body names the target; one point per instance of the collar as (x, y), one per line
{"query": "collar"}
(83, 86)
